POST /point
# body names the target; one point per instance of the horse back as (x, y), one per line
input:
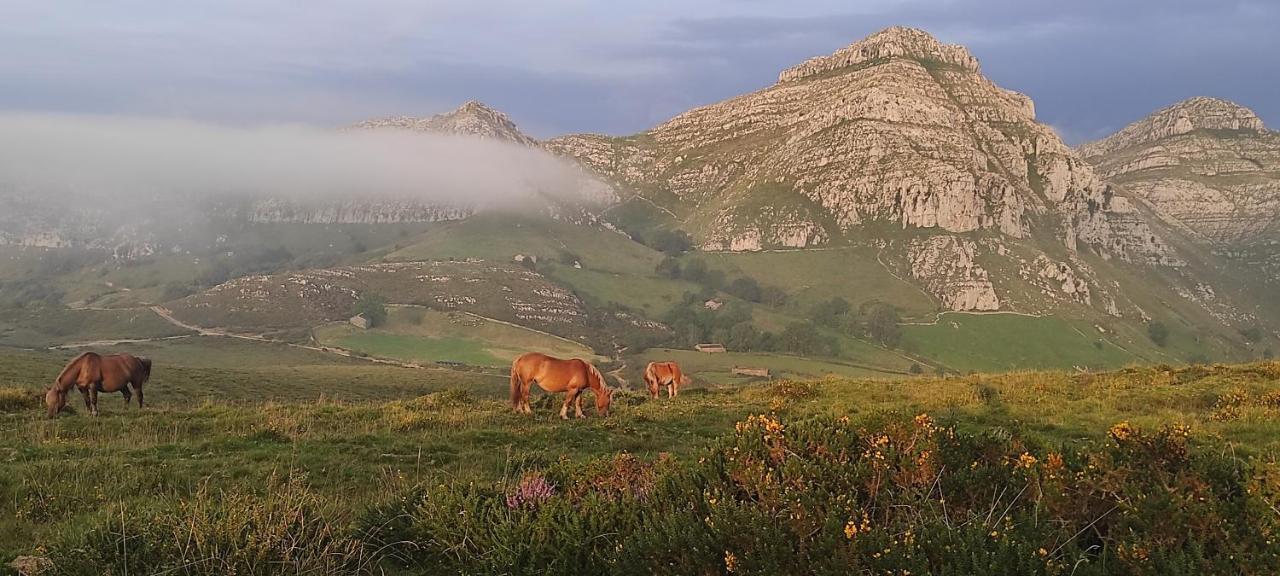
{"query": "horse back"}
(552, 374)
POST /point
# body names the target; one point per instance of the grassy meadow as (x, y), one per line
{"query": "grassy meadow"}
(263, 459)
(426, 336)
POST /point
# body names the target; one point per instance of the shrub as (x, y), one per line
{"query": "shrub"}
(285, 529)
(19, 400)
(1158, 333)
(825, 496)
(569, 258)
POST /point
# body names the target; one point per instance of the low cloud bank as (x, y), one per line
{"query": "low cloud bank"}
(121, 160)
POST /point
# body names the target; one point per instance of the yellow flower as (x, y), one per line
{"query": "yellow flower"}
(1026, 460)
(850, 530)
(1121, 431)
(730, 561)
(1042, 552)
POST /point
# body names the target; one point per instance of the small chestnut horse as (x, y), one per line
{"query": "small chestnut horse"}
(658, 374)
(92, 373)
(556, 375)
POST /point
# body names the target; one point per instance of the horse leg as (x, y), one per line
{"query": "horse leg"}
(93, 398)
(568, 399)
(138, 389)
(128, 396)
(524, 397)
(85, 393)
(577, 405)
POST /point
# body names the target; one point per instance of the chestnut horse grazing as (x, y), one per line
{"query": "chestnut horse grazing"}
(556, 375)
(92, 373)
(658, 374)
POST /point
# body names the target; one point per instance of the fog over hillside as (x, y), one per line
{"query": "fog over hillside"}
(109, 161)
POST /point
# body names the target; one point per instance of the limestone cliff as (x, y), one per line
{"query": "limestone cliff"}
(895, 128)
(1206, 166)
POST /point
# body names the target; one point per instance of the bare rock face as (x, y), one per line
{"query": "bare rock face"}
(1198, 113)
(945, 266)
(352, 212)
(1205, 166)
(895, 42)
(897, 128)
(471, 119)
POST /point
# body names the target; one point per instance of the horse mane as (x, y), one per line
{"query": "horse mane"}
(74, 363)
(595, 373)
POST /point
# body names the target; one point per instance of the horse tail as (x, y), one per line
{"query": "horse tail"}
(145, 373)
(516, 384)
(74, 364)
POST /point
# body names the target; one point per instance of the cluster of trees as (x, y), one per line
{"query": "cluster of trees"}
(671, 242)
(744, 287)
(877, 321)
(733, 326)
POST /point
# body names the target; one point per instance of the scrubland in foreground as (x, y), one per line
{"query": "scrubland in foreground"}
(1147, 470)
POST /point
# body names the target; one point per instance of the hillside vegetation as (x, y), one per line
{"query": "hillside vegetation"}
(285, 460)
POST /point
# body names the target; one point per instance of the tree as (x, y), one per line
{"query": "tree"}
(743, 337)
(772, 295)
(882, 324)
(670, 241)
(745, 288)
(695, 271)
(801, 338)
(669, 267)
(1158, 333)
(830, 311)
(373, 307)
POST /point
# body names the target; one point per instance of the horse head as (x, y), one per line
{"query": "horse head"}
(54, 401)
(603, 394)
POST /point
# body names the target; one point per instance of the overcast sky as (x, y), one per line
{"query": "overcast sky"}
(611, 66)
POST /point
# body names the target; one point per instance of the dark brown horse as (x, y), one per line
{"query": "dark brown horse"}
(556, 375)
(659, 374)
(92, 373)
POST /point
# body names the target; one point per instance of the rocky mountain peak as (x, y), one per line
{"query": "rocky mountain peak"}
(893, 42)
(473, 118)
(1205, 165)
(1199, 113)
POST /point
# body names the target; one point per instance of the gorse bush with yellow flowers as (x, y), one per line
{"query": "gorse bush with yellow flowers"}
(890, 495)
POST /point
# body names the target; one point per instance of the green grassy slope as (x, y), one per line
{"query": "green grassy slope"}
(812, 276)
(500, 237)
(994, 342)
(426, 336)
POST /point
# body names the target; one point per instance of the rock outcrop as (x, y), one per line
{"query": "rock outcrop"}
(945, 266)
(896, 128)
(1206, 166)
(471, 119)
